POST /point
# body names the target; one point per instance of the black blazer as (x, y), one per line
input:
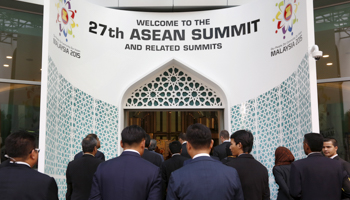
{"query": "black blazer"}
(3, 164)
(220, 151)
(170, 165)
(79, 177)
(152, 157)
(184, 151)
(282, 173)
(346, 165)
(127, 177)
(316, 177)
(99, 155)
(19, 181)
(202, 179)
(254, 177)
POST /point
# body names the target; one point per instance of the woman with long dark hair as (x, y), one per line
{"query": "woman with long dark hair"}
(281, 171)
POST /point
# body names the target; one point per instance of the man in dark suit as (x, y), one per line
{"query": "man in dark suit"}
(128, 176)
(203, 177)
(253, 175)
(17, 179)
(330, 148)
(316, 177)
(182, 140)
(99, 154)
(175, 162)
(153, 146)
(80, 171)
(220, 150)
(150, 156)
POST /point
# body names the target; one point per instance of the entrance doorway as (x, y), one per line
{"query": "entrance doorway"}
(166, 125)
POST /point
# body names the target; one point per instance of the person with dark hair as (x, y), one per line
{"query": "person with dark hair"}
(316, 177)
(17, 179)
(99, 154)
(152, 147)
(175, 162)
(80, 171)
(228, 153)
(330, 148)
(281, 171)
(220, 150)
(254, 176)
(203, 177)
(150, 156)
(128, 176)
(182, 140)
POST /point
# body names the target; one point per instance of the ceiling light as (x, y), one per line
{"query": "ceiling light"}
(329, 64)
(325, 56)
(6, 65)
(9, 57)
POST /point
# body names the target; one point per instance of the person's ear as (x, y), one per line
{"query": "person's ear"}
(239, 145)
(121, 144)
(336, 148)
(211, 144)
(143, 144)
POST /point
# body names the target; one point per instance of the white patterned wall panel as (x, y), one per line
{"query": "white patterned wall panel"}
(279, 117)
(71, 115)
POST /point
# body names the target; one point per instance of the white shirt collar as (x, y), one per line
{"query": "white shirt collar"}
(175, 154)
(227, 141)
(132, 150)
(184, 142)
(334, 156)
(21, 163)
(200, 154)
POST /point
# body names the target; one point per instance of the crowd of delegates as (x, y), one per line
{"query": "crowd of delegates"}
(189, 173)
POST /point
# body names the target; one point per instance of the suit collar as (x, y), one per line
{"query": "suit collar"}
(202, 158)
(130, 153)
(246, 155)
(18, 165)
(315, 154)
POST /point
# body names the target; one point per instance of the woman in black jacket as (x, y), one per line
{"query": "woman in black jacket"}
(281, 171)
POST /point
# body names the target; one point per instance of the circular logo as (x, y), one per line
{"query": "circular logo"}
(64, 15)
(288, 12)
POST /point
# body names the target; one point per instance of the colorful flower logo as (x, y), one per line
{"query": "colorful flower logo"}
(65, 18)
(287, 8)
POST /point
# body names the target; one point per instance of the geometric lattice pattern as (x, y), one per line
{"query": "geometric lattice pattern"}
(174, 87)
(279, 117)
(71, 115)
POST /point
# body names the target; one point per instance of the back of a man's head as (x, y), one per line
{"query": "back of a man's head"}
(175, 147)
(92, 135)
(152, 145)
(333, 140)
(89, 144)
(132, 135)
(20, 144)
(315, 141)
(147, 140)
(182, 136)
(225, 134)
(199, 136)
(244, 137)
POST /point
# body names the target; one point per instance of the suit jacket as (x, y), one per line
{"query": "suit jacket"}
(99, 155)
(152, 157)
(79, 177)
(18, 181)
(282, 173)
(127, 177)
(220, 151)
(253, 175)
(184, 151)
(316, 177)
(3, 164)
(161, 155)
(170, 165)
(205, 179)
(346, 165)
